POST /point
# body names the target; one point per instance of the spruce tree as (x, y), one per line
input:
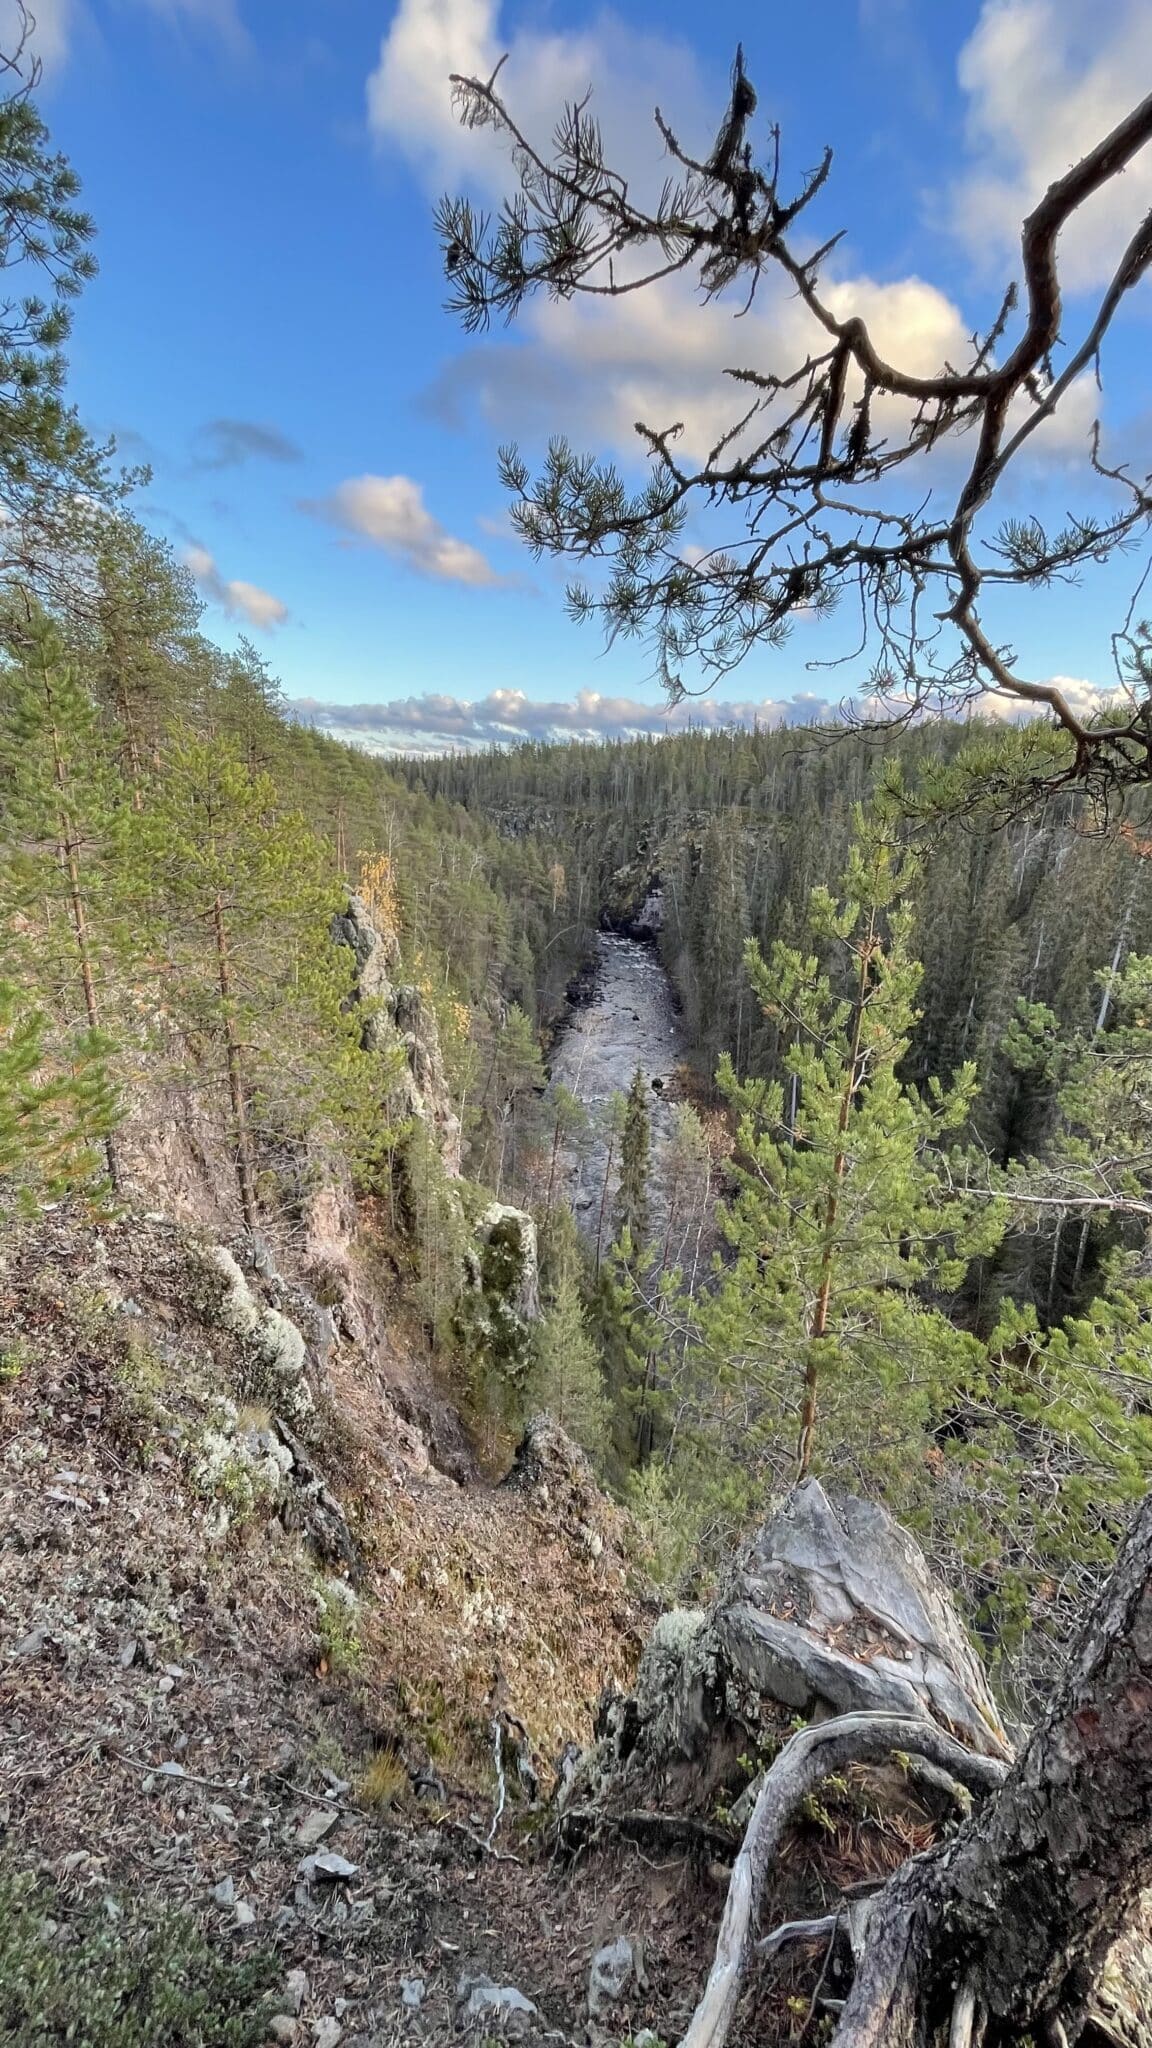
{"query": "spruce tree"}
(632, 1194)
(566, 1375)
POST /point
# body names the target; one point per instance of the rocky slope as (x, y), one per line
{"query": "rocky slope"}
(247, 1620)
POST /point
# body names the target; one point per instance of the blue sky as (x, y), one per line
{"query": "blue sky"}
(267, 326)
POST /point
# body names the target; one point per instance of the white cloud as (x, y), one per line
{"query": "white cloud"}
(591, 368)
(50, 25)
(389, 511)
(410, 102)
(221, 15)
(435, 721)
(1086, 699)
(239, 599)
(56, 23)
(1045, 80)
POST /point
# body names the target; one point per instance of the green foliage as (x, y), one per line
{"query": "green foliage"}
(566, 1378)
(46, 458)
(635, 1156)
(56, 1108)
(121, 1975)
(845, 1226)
(340, 1644)
(669, 1524)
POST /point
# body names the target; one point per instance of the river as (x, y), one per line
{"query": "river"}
(632, 1021)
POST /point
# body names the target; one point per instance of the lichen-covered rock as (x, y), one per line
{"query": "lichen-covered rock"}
(275, 1345)
(552, 1468)
(236, 1469)
(376, 953)
(509, 1259)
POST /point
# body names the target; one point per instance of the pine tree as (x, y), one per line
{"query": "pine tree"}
(57, 1108)
(844, 1219)
(241, 907)
(130, 636)
(60, 866)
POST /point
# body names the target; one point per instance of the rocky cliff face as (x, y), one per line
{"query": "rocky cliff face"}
(398, 1014)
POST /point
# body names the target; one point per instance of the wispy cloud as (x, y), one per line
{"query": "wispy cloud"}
(434, 722)
(239, 599)
(226, 444)
(1045, 80)
(410, 99)
(389, 513)
(50, 25)
(221, 17)
(56, 24)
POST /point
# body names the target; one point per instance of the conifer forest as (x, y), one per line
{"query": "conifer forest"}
(576, 1304)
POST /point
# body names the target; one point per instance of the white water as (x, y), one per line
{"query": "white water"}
(631, 1022)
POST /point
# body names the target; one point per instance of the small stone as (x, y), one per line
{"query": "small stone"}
(165, 1686)
(498, 2007)
(245, 1914)
(336, 1869)
(224, 1893)
(282, 2027)
(170, 1770)
(339, 2007)
(224, 1815)
(32, 1645)
(296, 1984)
(327, 2033)
(412, 1992)
(612, 1970)
(128, 1652)
(314, 1828)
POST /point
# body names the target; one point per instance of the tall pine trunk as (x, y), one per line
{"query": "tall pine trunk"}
(818, 1327)
(237, 1080)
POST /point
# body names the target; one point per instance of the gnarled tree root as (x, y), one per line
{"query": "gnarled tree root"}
(803, 1763)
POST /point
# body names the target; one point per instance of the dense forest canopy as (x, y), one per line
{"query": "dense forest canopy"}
(894, 1225)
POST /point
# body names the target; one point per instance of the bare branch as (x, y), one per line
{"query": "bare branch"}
(807, 466)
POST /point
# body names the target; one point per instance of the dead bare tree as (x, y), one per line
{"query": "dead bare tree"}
(850, 477)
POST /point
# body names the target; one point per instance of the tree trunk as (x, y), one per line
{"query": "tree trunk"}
(245, 1170)
(819, 1324)
(69, 855)
(1023, 1907)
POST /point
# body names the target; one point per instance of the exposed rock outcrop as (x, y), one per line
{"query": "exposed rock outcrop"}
(830, 1609)
(399, 1014)
(509, 1260)
(274, 1344)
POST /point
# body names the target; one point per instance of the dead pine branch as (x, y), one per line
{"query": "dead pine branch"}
(850, 476)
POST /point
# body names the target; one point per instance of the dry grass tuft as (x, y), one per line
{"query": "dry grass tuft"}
(384, 1784)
